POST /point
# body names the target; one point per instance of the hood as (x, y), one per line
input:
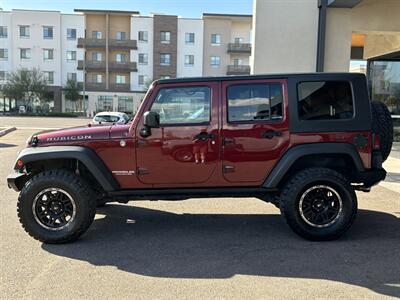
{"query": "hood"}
(72, 135)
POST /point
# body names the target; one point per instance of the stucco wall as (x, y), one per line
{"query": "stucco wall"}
(285, 36)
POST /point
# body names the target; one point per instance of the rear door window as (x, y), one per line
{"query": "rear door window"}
(325, 100)
(254, 102)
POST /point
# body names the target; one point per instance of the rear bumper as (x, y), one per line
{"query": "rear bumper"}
(371, 177)
(16, 180)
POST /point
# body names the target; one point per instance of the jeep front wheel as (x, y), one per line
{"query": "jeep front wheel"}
(318, 204)
(56, 206)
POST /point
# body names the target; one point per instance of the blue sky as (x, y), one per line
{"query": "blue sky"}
(184, 8)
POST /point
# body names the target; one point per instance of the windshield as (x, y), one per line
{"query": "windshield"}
(106, 119)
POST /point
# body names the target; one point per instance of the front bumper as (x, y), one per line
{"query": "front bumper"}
(16, 180)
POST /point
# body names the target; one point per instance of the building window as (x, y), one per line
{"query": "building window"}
(48, 32)
(254, 102)
(105, 103)
(143, 36)
(3, 54)
(3, 76)
(189, 38)
(97, 56)
(215, 61)
(97, 78)
(121, 35)
(24, 31)
(237, 62)
(71, 33)
(120, 57)
(25, 53)
(143, 58)
(3, 32)
(325, 100)
(238, 40)
(215, 39)
(195, 102)
(96, 35)
(71, 76)
(165, 59)
(49, 77)
(48, 54)
(125, 104)
(71, 55)
(189, 60)
(143, 79)
(120, 79)
(165, 37)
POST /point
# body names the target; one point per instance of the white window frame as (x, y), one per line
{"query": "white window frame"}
(50, 29)
(70, 30)
(145, 57)
(5, 54)
(187, 38)
(189, 60)
(214, 59)
(49, 77)
(97, 35)
(96, 78)
(49, 51)
(4, 32)
(217, 41)
(120, 57)
(27, 33)
(70, 76)
(119, 35)
(120, 79)
(145, 34)
(27, 53)
(71, 55)
(167, 62)
(95, 56)
(165, 37)
(144, 78)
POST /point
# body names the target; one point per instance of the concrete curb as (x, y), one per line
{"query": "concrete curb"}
(7, 130)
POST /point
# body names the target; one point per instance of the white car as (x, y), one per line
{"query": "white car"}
(111, 117)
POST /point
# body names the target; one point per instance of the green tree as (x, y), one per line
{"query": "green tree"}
(71, 92)
(29, 85)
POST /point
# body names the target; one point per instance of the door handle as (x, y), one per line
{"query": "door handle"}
(203, 136)
(269, 134)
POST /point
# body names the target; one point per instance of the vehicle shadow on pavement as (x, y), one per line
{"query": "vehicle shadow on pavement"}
(2, 145)
(162, 244)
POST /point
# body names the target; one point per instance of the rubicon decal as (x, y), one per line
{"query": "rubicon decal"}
(69, 138)
(124, 173)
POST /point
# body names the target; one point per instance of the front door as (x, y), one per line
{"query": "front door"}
(185, 149)
(254, 130)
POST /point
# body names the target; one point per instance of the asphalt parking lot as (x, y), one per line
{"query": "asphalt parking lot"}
(199, 248)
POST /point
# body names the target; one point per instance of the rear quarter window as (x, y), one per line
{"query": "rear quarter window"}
(325, 100)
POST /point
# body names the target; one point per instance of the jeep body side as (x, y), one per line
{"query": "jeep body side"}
(218, 154)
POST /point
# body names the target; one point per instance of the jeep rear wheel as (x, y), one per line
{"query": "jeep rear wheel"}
(56, 206)
(318, 204)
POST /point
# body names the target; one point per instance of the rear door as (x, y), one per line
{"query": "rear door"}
(254, 128)
(186, 148)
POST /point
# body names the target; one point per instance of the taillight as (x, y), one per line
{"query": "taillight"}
(376, 143)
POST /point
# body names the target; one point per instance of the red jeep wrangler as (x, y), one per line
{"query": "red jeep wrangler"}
(304, 142)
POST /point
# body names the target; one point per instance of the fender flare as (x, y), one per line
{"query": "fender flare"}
(293, 154)
(84, 155)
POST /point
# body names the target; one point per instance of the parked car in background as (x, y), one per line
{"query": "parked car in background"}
(111, 117)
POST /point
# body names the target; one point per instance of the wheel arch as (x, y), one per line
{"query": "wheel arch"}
(57, 155)
(341, 157)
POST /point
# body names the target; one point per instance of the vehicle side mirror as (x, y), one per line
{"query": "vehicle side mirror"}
(151, 119)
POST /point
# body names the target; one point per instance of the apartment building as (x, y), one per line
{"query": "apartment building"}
(227, 44)
(114, 55)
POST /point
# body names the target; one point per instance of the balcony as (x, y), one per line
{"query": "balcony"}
(239, 48)
(122, 66)
(95, 86)
(92, 65)
(112, 43)
(91, 43)
(238, 70)
(117, 44)
(120, 87)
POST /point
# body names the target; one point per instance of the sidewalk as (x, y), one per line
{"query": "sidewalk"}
(392, 167)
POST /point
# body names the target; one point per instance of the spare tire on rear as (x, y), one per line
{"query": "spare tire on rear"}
(382, 124)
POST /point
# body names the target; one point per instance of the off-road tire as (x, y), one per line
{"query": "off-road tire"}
(309, 178)
(76, 187)
(382, 124)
